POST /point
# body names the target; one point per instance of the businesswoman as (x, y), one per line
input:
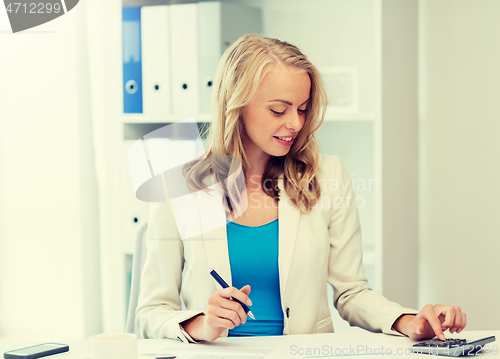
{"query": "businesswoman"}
(290, 230)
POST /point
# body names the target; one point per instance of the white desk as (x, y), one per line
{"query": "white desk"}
(287, 347)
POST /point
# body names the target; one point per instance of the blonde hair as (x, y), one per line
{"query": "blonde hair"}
(239, 74)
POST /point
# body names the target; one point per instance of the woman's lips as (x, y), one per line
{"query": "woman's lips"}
(284, 142)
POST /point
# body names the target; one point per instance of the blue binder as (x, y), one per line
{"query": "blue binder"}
(132, 64)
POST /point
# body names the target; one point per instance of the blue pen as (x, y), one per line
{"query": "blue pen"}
(223, 284)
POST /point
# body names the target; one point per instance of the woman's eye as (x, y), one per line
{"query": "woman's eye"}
(302, 111)
(277, 112)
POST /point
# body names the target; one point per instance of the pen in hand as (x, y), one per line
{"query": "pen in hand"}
(223, 284)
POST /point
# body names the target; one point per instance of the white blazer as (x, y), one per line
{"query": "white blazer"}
(316, 248)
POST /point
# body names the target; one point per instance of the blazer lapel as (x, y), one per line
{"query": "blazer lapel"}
(289, 216)
(213, 220)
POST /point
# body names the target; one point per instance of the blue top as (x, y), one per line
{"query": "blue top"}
(253, 256)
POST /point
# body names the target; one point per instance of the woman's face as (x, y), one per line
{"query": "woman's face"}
(277, 113)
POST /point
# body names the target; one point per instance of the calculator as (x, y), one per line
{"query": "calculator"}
(452, 347)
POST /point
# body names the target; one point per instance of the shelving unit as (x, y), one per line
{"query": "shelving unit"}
(330, 116)
(373, 144)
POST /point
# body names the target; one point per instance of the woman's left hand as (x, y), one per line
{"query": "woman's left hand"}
(431, 321)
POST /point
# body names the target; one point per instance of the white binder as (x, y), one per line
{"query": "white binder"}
(184, 41)
(133, 212)
(155, 60)
(220, 24)
(209, 34)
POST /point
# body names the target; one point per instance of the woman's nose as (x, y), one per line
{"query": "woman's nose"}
(295, 122)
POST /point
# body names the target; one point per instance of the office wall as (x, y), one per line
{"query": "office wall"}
(399, 149)
(332, 33)
(459, 154)
(49, 265)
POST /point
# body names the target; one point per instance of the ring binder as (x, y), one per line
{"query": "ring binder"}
(132, 64)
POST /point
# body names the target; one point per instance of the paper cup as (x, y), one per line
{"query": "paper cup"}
(113, 346)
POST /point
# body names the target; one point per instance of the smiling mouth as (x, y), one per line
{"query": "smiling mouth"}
(284, 138)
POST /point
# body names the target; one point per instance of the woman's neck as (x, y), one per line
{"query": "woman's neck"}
(257, 163)
(254, 172)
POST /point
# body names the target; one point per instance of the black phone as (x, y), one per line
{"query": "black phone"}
(36, 351)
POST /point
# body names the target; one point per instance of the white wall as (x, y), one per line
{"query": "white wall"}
(49, 264)
(459, 157)
(332, 33)
(399, 149)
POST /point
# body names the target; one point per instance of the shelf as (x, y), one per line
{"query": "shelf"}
(331, 116)
(142, 118)
(369, 257)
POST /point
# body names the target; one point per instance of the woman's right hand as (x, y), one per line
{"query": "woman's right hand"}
(222, 313)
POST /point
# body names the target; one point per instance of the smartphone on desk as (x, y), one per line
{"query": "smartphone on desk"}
(36, 351)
